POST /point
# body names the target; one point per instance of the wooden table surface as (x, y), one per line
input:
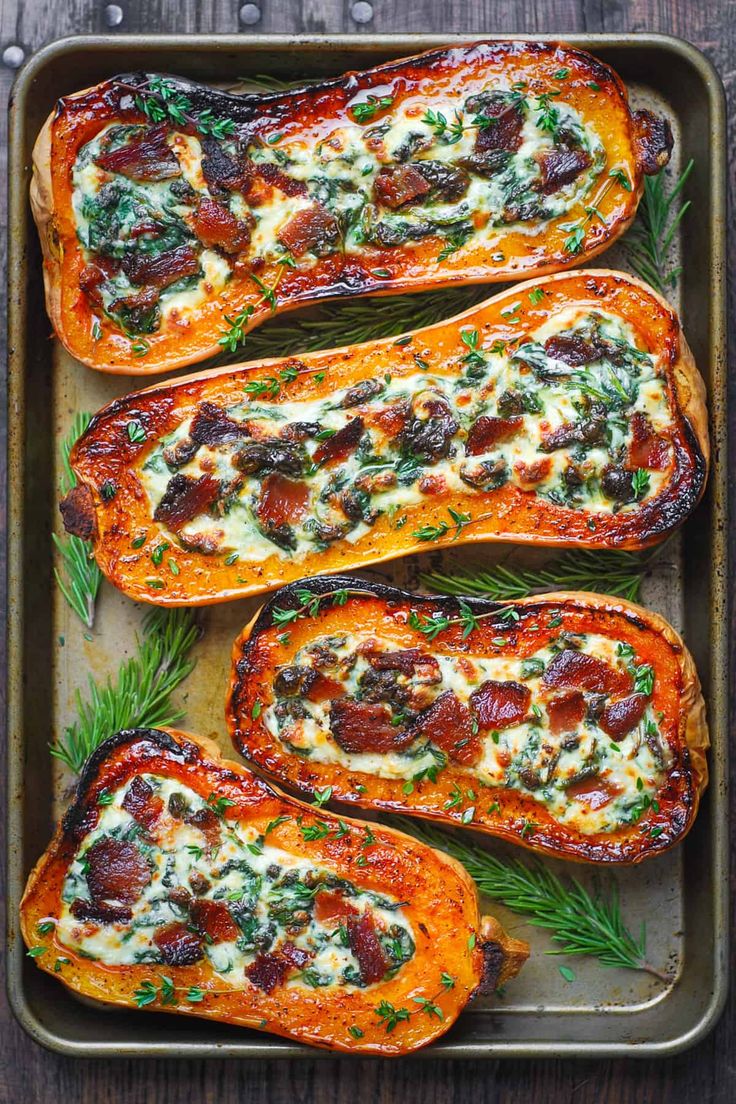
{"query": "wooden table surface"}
(703, 1075)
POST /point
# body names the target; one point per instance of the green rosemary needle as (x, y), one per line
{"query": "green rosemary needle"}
(649, 242)
(78, 577)
(616, 573)
(140, 695)
(582, 923)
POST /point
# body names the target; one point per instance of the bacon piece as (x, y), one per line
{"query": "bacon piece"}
(359, 726)
(216, 225)
(266, 971)
(220, 170)
(77, 510)
(560, 166)
(486, 431)
(208, 823)
(531, 474)
(178, 945)
(102, 914)
(504, 133)
(90, 279)
(405, 660)
(392, 419)
(594, 792)
(653, 140)
(313, 229)
(147, 156)
(366, 946)
(160, 270)
(500, 704)
(297, 957)
(324, 689)
(572, 349)
(619, 717)
(332, 906)
(282, 501)
(647, 449)
(578, 671)
(185, 498)
(565, 711)
(212, 919)
(141, 802)
(275, 176)
(341, 444)
(116, 871)
(213, 426)
(399, 184)
(448, 724)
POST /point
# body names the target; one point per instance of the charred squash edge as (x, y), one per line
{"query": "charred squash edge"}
(649, 142)
(104, 452)
(688, 772)
(493, 958)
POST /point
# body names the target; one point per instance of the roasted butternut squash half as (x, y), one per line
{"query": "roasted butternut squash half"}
(564, 411)
(171, 213)
(180, 882)
(569, 723)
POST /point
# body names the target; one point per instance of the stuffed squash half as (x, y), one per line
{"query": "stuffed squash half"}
(565, 411)
(179, 882)
(170, 212)
(569, 723)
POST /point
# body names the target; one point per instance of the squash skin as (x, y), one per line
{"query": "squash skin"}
(636, 142)
(440, 889)
(385, 610)
(106, 454)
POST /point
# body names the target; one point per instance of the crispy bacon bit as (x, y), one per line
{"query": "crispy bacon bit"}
(102, 914)
(324, 689)
(653, 141)
(504, 133)
(212, 919)
(594, 792)
(399, 184)
(90, 279)
(147, 156)
(295, 956)
(447, 723)
(578, 671)
(405, 660)
(392, 419)
(619, 717)
(266, 971)
(572, 349)
(341, 444)
(500, 704)
(161, 270)
(274, 176)
(647, 448)
(313, 229)
(215, 225)
(185, 498)
(141, 802)
(533, 473)
(282, 501)
(359, 726)
(366, 946)
(181, 897)
(206, 820)
(116, 871)
(486, 431)
(213, 426)
(565, 711)
(560, 166)
(222, 171)
(332, 906)
(78, 512)
(178, 945)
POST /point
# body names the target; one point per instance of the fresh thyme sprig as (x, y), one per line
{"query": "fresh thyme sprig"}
(616, 573)
(648, 244)
(140, 695)
(80, 577)
(311, 604)
(582, 923)
(352, 323)
(161, 101)
(234, 336)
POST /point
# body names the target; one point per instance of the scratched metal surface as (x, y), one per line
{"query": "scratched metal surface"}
(601, 1011)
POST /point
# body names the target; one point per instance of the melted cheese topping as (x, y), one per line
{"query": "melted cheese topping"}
(473, 192)
(270, 894)
(564, 430)
(581, 776)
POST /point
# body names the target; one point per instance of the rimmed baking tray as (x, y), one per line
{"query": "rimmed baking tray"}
(682, 897)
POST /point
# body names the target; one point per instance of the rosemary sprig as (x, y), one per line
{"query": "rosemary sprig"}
(351, 323)
(648, 244)
(79, 578)
(140, 695)
(616, 573)
(582, 923)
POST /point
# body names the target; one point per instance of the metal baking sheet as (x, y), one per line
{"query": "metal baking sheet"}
(681, 896)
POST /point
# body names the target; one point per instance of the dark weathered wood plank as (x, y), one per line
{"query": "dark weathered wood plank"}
(705, 1075)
